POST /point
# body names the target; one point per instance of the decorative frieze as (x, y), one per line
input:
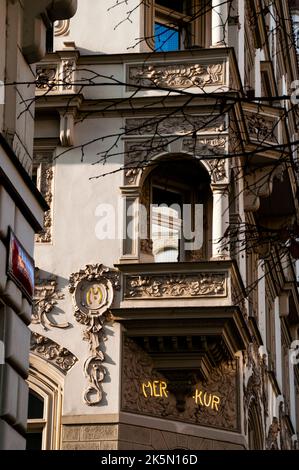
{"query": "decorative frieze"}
(45, 299)
(93, 291)
(184, 75)
(177, 125)
(57, 77)
(52, 352)
(175, 285)
(138, 154)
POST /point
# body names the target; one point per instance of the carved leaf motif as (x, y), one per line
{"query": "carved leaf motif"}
(52, 352)
(176, 285)
(177, 75)
(175, 125)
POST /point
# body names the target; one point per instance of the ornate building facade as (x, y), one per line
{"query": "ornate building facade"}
(23, 32)
(166, 306)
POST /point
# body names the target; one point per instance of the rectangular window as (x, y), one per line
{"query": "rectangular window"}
(172, 25)
(166, 38)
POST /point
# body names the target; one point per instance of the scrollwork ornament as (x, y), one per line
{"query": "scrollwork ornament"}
(45, 299)
(93, 290)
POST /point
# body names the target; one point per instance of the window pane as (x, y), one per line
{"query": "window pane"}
(35, 407)
(166, 38)
(34, 441)
(166, 225)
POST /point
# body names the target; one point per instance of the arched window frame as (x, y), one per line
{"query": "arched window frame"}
(47, 383)
(149, 181)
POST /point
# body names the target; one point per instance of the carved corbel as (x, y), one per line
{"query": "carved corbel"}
(67, 129)
(258, 184)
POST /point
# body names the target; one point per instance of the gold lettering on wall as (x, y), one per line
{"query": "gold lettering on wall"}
(154, 388)
(158, 389)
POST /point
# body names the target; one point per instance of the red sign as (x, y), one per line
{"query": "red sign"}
(20, 266)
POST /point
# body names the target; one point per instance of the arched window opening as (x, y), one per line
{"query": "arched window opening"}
(44, 406)
(36, 421)
(177, 201)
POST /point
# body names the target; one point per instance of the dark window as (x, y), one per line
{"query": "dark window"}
(181, 6)
(49, 40)
(34, 440)
(35, 407)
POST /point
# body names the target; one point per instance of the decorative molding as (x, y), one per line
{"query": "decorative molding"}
(175, 285)
(61, 27)
(52, 352)
(272, 437)
(56, 77)
(177, 125)
(45, 298)
(261, 128)
(67, 125)
(68, 68)
(93, 291)
(46, 188)
(184, 75)
(46, 77)
(138, 367)
(257, 384)
(138, 154)
(208, 147)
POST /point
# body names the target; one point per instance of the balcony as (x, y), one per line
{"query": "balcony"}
(189, 306)
(183, 324)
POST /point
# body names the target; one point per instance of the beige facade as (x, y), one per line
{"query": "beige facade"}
(144, 352)
(23, 26)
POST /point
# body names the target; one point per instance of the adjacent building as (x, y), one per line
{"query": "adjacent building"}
(24, 38)
(166, 306)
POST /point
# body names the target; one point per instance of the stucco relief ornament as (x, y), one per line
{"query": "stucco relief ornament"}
(93, 291)
(178, 76)
(52, 352)
(45, 299)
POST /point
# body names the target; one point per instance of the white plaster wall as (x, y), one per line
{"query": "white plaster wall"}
(94, 27)
(2, 54)
(75, 244)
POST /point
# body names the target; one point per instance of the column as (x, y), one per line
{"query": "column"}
(292, 389)
(278, 352)
(219, 23)
(220, 245)
(262, 300)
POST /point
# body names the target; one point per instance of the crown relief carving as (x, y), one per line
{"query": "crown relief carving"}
(93, 291)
